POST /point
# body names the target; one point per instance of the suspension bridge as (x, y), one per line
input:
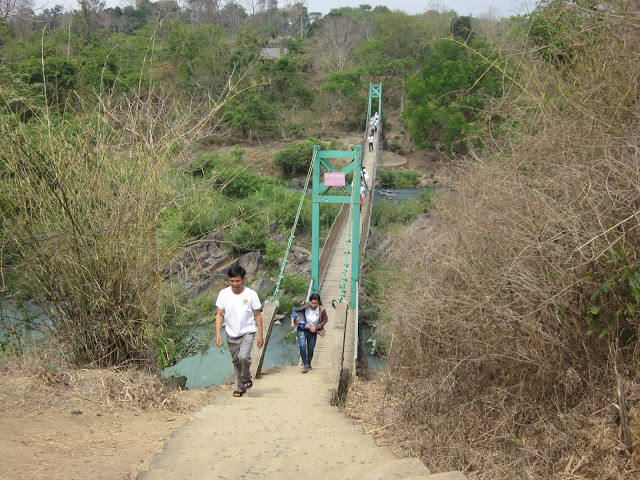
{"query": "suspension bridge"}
(286, 426)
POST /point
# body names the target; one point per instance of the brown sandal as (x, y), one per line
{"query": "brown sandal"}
(238, 393)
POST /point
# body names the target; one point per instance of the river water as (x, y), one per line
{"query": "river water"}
(397, 194)
(202, 370)
(214, 367)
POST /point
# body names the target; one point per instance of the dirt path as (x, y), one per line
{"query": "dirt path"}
(86, 424)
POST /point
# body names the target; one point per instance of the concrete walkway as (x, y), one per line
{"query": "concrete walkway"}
(283, 428)
(330, 288)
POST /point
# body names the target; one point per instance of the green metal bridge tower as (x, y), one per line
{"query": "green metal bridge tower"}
(321, 186)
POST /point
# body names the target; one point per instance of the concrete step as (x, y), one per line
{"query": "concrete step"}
(398, 468)
(284, 427)
(291, 469)
(447, 476)
(264, 449)
(275, 437)
(307, 466)
(268, 460)
(290, 429)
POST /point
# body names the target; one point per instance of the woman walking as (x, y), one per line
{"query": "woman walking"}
(311, 319)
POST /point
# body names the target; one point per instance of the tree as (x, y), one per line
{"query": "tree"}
(399, 35)
(253, 6)
(5, 33)
(445, 97)
(232, 16)
(205, 11)
(52, 16)
(8, 8)
(250, 113)
(461, 29)
(298, 16)
(55, 73)
(201, 54)
(127, 20)
(88, 12)
(334, 41)
(20, 19)
(286, 87)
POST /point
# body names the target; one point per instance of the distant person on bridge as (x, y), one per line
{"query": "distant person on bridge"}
(365, 177)
(239, 308)
(371, 143)
(310, 319)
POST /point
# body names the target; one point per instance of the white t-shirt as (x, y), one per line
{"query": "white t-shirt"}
(312, 316)
(238, 311)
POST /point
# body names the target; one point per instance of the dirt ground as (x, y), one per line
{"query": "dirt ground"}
(70, 424)
(77, 424)
(435, 168)
(85, 424)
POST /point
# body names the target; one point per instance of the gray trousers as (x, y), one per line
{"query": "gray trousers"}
(240, 349)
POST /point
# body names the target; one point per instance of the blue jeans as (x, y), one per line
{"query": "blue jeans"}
(306, 342)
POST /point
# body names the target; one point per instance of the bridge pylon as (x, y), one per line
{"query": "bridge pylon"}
(375, 91)
(322, 185)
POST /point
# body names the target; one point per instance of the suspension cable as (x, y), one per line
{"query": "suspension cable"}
(347, 248)
(274, 297)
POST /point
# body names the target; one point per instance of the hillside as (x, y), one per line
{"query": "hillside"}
(508, 311)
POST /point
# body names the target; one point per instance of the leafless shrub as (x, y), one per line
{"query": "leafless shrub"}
(42, 379)
(83, 195)
(518, 312)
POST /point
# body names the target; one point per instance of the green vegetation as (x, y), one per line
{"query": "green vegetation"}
(387, 212)
(295, 159)
(446, 97)
(524, 289)
(614, 304)
(295, 285)
(79, 233)
(398, 178)
(102, 113)
(194, 51)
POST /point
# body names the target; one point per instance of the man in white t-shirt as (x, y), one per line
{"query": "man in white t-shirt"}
(239, 308)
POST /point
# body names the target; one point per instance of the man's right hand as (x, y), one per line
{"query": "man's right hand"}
(218, 340)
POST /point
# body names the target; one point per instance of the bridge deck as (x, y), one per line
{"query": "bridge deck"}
(330, 288)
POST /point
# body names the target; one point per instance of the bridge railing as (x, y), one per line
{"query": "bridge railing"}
(269, 311)
(331, 241)
(366, 216)
(365, 225)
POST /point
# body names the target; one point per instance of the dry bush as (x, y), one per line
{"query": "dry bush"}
(82, 199)
(517, 314)
(42, 380)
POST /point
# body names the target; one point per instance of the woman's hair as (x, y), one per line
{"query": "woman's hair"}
(315, 296)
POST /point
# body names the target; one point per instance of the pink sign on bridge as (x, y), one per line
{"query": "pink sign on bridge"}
(334, 179)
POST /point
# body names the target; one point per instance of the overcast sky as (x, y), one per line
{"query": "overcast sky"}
(505, 8)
